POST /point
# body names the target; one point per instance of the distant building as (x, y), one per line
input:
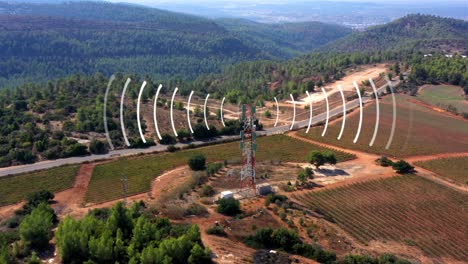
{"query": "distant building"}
(226, 194)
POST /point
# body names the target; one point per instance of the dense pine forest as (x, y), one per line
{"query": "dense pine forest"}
(45, 41)
(71, 49)
(411, 33)
(31, 112)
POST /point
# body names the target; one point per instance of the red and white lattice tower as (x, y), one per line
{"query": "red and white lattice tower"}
(248, 147)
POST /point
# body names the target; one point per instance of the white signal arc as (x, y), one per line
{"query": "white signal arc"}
(392, 131)
(155, 106)
(294, 111)
(221, 112)
(204, 111)
(138, 112)
(328, 112)
(172, 111)
(360, 112)
(377, 117)
(277, 112)
(343, 124)
(310, 111)
(106, 128)
(122, 123)
(188, 111)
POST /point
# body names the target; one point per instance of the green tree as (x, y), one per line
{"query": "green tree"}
(330, 157)
(302, 177)
(35, 229)
(228, 206)
(183, 135)
(167, 139)
(316, 158)
(403, 167)
(98, 147)
(120, 218)
(101, 248)
(197, 162)
(198, 255)
(309, 172)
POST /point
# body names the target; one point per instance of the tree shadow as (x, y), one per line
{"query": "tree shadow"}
(333, 172)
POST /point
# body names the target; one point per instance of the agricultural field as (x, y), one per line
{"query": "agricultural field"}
(419, 130)
(404, 209)
(14, 188)
(455, 169)
(444, 95)
(105, 183)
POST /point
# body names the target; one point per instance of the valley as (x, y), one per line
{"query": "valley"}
(373, 175)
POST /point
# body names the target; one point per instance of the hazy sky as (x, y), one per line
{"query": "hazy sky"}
(155, 2)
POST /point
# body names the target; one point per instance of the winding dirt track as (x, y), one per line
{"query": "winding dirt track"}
(369, 159)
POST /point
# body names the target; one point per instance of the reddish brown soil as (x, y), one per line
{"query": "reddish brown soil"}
(71, 200)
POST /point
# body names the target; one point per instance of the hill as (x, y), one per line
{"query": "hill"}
(44, 41)
(285, 40)
(402, 40)
(412, 32)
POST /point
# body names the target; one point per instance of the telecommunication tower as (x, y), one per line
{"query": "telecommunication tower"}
(248, 147)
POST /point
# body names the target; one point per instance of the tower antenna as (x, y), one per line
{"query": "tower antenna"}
(248, 147)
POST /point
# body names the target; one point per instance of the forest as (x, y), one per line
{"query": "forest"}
(47, 119)
(124, 234)
(410, 33)
(46, 41)
(32, 111)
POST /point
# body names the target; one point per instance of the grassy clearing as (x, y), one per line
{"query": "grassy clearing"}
(406, 209)
(444, 95)
(455, 169)
(105, 184)
(419, 131)
(14, 188)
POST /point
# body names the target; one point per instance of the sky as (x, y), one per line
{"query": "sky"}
(155, 2)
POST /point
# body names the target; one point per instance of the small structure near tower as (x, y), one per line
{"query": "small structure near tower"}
(248, 147)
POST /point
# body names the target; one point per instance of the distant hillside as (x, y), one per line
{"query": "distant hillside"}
(285, 40)
(44, 41)
(402, 40)
(413, 32)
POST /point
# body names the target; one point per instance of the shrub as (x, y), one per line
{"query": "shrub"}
(98, 147)
(228, 206)
(358, 259)
(172, 148)
(196, 209)
(384, 161)
(272, 198)
(403, 167)
(216, 230)
(213, 168)
(309, 172)
(167, 139)
(197, 162)
(301, 177)
(36, 198)
(183, 135)
(208, 190)
(288, 241)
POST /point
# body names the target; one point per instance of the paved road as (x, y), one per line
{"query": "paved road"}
(159, 148)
